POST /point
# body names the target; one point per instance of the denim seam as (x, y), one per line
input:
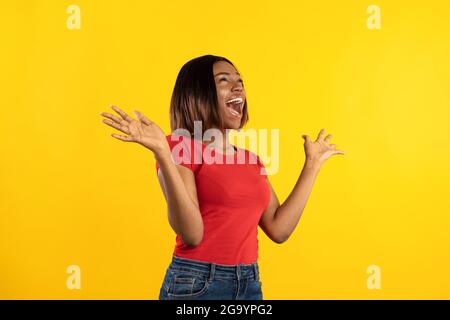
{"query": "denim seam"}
(191, 271)
(245, 288)
(202, 291)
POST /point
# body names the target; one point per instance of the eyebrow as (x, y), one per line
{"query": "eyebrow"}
(225, 73)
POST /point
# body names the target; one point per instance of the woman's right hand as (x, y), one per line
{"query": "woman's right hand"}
(142, 131)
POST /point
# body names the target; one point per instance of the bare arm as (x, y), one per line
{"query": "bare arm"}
(178, 186)
(279, 221)
(177, 182)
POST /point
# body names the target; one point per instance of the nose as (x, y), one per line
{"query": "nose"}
(237, 86)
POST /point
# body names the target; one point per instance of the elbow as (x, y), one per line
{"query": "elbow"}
(275, 234)
(191, 234)
(279, 239)
(194, 240)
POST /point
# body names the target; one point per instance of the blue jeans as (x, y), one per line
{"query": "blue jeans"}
(188, 279)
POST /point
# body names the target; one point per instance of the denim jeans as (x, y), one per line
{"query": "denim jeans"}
(188, 279)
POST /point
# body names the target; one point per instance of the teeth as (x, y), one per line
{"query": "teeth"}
(234, 100)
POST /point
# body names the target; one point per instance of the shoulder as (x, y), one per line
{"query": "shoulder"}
(255, 159)
(251, 157)
(186, 151)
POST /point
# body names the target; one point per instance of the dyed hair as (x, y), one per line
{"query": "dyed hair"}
(194, 96)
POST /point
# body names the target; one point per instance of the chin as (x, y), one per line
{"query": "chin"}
(232, 126)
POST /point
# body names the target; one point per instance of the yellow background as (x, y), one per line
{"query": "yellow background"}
(70, 194)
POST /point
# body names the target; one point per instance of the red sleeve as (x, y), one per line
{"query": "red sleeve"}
(183, 150)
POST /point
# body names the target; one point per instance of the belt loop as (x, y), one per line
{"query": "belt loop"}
(256, 270)
(238, 271)
(211, 272)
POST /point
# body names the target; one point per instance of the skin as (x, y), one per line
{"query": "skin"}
(278, 221)
(177, 182)
(228, 85)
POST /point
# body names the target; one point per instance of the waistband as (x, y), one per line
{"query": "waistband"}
(215, 270)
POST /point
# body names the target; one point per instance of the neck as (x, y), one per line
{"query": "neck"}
(221, 143)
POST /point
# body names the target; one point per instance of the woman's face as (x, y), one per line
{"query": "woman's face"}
(230, 94)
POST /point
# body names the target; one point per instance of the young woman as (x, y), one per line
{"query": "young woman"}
(215, 207)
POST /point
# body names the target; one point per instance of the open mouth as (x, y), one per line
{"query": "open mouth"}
(235, 106)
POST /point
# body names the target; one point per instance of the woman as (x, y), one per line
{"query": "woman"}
(215, 208)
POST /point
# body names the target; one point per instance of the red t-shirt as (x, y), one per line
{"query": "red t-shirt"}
(231, 196)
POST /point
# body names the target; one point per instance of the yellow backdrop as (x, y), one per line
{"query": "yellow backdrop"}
(71, 195)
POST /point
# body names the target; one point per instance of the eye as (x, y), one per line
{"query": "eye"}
(225, 79)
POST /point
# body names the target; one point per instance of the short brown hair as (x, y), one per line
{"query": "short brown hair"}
(194, 96)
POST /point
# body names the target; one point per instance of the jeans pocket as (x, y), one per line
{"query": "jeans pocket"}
(186, 284)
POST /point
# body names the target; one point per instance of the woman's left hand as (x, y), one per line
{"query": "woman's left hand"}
(318, 151)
